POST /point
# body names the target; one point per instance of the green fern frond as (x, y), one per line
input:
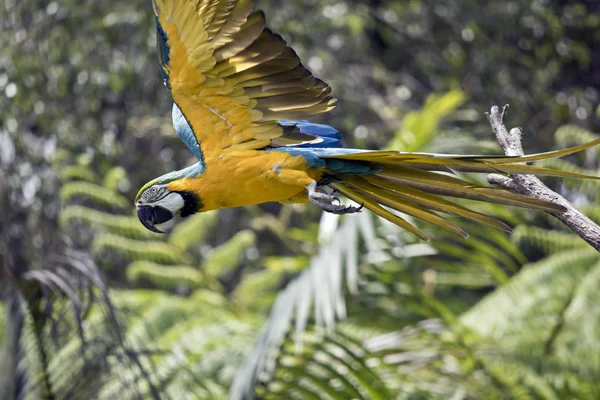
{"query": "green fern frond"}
(563, 165)
(546, 240)
(520, 381)
(330, 365)
(572, 385)
(465, 276)
(172, 277)
(210, 348)
(585, 187)
(99, 220)
(480, 256)
(420, 127)
(489, 251)
(131, 249)
(191, 342)
(441, 363)
(135, 302)
(533, 301)
(38, 384)
(258, 289)
(192, 231)
(323, 283)
(228, 255)
(167, 312)
(490, 248)
(2, 311)
(78, 173)
(114, 177)
(94, 192)
(289, 264)
(569, 135)
(577, 339)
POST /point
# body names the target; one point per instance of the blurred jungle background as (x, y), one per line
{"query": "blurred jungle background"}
(281, 302)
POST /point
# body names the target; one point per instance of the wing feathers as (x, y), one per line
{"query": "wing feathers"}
(266, 47)
(371, 204)
(220, 12)
(240, 40)
(300, 113)
(276, 89)
(436, 203)
(233, 24)
(281, 78)
(481, 164)
(391, 199)
(445, 185)
(222, 64)
(300, 100)
(418, 193)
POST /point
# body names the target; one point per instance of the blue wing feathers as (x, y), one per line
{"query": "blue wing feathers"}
(331, 136)
(312, 153)
(350, 167)
(185, 133)
(312, 158)
(330, 146)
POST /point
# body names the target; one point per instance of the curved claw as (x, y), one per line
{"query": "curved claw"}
(327, 203)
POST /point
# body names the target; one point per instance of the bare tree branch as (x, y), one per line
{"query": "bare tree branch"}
(532, 186)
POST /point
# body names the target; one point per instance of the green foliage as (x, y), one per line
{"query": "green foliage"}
(422, 126)
(97, 193)
(114, 177)
(208, 341)
(568, 135)
(191, 338)
(129, 227)
(228, 255)
(1, 324)
(88, 122)
(131, 249)
(77, 172)
(325, 367)
(193, 230)
(259, 289)
(520, 341)
(171, 279)
(546, 240)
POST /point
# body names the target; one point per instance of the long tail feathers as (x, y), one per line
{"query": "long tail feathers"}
(412, 184)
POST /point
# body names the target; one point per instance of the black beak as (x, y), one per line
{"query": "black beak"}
(146, 214)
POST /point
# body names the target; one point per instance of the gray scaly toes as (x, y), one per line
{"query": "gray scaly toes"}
(330, 203)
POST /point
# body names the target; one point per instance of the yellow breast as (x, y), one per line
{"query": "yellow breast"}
(248, 177)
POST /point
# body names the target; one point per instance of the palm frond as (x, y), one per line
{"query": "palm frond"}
(545, 240)
(535, 301)
(321, 284)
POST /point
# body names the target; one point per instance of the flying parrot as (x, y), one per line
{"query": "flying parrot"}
(241, 102)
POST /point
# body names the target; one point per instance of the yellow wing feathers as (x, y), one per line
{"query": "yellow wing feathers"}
(233, 78)
(413, 184)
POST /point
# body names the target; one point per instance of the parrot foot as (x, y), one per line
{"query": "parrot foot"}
(329, 202)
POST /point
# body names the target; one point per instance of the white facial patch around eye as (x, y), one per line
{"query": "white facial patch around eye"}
(172, 202)
(153, 194)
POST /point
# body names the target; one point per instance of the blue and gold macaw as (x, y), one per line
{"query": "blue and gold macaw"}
(241, 100)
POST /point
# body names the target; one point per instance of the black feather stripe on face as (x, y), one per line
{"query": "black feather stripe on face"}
(192, 203)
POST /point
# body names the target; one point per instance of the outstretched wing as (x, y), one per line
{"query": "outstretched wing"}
(232, 78)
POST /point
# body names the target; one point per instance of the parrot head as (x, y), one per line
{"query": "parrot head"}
(160, 209)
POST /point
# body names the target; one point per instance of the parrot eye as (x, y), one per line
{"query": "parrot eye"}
(153, 193)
